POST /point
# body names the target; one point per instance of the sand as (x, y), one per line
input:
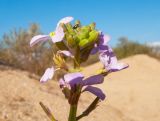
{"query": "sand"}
(132, 94)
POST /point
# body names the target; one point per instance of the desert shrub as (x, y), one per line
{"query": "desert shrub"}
(155, 52)
(127, 48)
(16, 52)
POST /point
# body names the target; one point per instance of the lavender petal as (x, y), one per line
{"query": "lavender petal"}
(65, 20)
(39, 38)
(59, 35)
(96, 79)
(48, 74)
(73, 78)
(66, 53)
(96, 91)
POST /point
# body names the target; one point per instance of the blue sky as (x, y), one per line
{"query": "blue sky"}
(138, 20)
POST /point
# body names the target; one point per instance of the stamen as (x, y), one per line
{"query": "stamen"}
(52, 34)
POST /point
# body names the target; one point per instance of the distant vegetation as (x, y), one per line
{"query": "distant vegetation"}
(16, 52)
(127, 48)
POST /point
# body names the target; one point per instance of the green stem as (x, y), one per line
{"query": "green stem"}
(90, 108)
(47, 111)
(73, 112)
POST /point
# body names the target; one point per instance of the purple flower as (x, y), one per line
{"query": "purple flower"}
(110, 61)
(49, 72)
(102, 45)
(72, 80)
(107, 56)
(56, 36)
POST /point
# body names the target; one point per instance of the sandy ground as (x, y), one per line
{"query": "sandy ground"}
(132, 94)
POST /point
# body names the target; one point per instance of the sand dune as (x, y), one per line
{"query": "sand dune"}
(132, 94)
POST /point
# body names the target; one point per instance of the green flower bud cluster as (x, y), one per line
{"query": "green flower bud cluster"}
(80, 36)
(80, 39)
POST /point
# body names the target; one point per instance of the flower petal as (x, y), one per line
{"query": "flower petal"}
(39, 38)
(118, 67)
(59, 34)
(106, 39)
(103, 48)
(48, 74)
(110, 61)
(96, 79)
(115, 65)
(104, 58)
(94, 50)
(66, 53)
(65, 20)
(73, 78)
(61, 83)
(96, 91)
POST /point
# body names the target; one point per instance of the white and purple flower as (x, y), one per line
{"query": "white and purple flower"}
(72, 80)
(102, 45)
(110, 62)
(49, 72)
(107, 56)
(56, 36)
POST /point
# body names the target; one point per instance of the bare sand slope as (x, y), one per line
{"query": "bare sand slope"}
(135, 92)
(132, 94)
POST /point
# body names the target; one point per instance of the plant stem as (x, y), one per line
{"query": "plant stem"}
(47, 111)
(90, 108)
(73, 112)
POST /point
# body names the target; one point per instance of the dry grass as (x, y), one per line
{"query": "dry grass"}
(16, 52)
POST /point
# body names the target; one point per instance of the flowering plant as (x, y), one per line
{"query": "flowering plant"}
(78, 42)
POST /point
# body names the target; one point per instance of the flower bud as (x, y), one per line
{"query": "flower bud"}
(83, 35)
(78, 22)
(84, 32)
(93, 36)
(70, 29)
(86, 28)
(70, 41)
(59, 62)
(83, 42)
(77, 40)
(92, 25)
